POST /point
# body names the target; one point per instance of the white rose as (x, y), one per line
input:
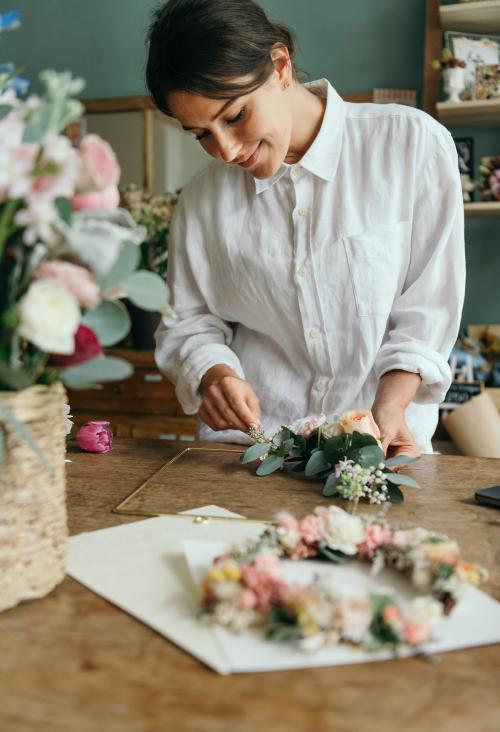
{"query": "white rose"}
(331, 429)
(341, 531)
(50, 316)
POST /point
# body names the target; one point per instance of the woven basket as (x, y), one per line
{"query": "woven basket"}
(33, 527)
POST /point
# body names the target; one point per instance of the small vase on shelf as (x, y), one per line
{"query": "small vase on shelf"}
(454, 83)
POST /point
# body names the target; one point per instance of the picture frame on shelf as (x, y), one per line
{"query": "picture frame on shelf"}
(476, 50)
(487, 85)
(465, 152)
(490, 178)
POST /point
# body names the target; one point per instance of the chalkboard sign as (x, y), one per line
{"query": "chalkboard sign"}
(460, 393)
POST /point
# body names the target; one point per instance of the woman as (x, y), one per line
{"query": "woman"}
(318, 264)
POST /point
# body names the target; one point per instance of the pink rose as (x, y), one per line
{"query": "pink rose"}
(287, 521)
(108, 198)
(95, 437)
(77, 280)
(99, 164)
(375, 536)
(309, 425)
(310, 528)
(358, 421)
(87, 346)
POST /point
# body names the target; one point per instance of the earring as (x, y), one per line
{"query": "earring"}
(285, 85)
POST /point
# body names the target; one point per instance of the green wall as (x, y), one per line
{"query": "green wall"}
(357, 44)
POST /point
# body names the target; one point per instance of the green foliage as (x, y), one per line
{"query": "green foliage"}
(146, 290)
(270, 464)
(101, 368)
(126, 263)
(254, 452)
(110, 321)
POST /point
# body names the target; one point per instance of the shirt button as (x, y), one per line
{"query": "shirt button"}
(303, 211)
(314, 333)
(320, 387)
(302, 271)
(295, 171)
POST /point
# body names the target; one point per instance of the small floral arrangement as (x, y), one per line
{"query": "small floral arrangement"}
(490, 178)
(346, 453)
(68, 254)
(448, 61)
(154, 213)
(246, 586)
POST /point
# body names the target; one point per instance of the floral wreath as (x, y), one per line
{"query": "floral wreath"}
(245, 587)
(346, 453)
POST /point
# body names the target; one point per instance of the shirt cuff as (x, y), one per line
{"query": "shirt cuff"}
(195, 366)
(418, 359)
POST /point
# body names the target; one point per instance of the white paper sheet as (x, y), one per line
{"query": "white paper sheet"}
(141, 567)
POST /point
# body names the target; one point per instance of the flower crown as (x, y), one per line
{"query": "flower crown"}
(245, 587)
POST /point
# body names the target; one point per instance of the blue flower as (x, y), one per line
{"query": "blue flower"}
(10, 20)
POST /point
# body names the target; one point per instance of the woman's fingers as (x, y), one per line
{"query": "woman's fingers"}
(217, 397)
(243, 401)
(230, 404)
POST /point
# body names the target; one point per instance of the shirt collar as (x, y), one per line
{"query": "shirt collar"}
(322, 158)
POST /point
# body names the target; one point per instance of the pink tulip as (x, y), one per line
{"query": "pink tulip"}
(95, 437)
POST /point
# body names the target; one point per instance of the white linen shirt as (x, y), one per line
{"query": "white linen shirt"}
(315, 282)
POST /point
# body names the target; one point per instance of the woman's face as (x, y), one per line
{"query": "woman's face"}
(253, 131)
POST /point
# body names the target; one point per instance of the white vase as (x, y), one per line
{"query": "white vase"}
(454, 83)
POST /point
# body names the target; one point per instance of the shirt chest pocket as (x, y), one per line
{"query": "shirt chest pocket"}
(377, 263)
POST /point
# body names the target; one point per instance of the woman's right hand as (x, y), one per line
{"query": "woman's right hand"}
(229, 403)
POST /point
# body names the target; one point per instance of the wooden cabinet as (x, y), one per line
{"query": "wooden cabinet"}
(144, 405)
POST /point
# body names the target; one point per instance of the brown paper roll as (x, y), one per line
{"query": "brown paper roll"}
(475, 427)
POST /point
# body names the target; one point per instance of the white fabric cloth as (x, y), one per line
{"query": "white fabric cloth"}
(313, 283)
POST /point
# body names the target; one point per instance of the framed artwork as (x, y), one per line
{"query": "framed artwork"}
(465, 152)
(487, 84)
(476, 50)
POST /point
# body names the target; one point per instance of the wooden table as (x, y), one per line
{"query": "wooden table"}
(72, 662)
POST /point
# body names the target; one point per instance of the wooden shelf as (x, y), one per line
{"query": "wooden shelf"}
(474, 17)
(483, 209)
(476, 113)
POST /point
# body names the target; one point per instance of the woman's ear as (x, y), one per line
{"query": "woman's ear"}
(282, 64)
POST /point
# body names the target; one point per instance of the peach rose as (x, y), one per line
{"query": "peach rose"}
(442, 552)
(358, 421)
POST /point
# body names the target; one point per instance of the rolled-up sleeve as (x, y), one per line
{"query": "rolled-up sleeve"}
(425, 317)
(191, 339)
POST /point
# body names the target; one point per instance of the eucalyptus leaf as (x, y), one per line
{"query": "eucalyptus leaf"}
(63, 206)
(361, 439)
(395, 495)
(254, 452)
(127, 262)
(398, 479)
(400, 460)
(270, 464)
(5, 109)
(11, 419)
(330, 487)
(110, 321)
(368, 457)
(147, 290)
(316, 464)
(95, 370)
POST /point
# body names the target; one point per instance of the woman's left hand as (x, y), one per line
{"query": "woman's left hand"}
(397, 438)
